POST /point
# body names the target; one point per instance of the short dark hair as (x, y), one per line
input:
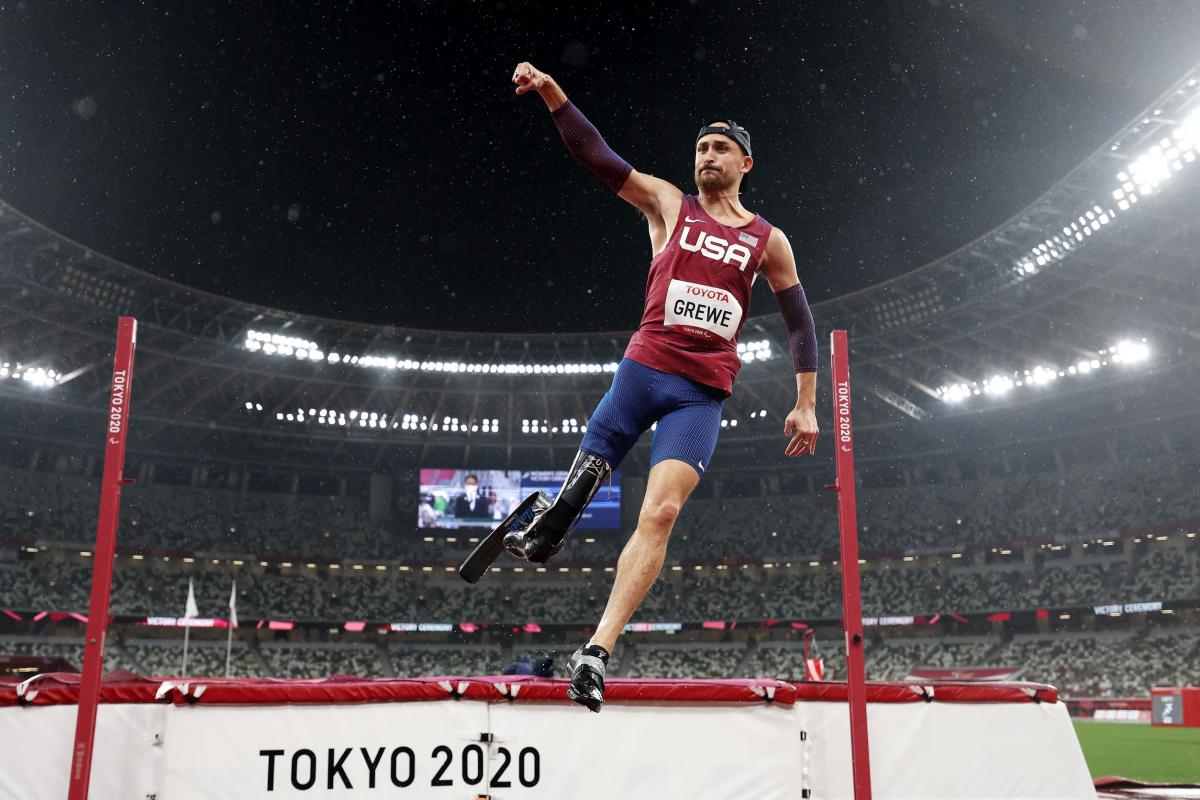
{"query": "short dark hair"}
(471, 476)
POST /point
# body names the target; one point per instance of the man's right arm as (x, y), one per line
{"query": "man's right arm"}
(585, 143)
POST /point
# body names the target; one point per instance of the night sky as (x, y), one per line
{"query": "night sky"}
(370, 162)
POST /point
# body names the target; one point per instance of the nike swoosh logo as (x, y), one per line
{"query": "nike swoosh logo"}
(701, 463)
(689, 219)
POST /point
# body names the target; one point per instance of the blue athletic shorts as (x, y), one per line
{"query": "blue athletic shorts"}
(688, 414)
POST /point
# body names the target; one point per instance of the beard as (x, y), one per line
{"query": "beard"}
(715, 181)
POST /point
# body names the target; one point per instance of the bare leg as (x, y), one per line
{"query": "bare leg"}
(667, 488)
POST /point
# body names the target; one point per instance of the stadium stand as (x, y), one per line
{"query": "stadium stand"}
(154, 588)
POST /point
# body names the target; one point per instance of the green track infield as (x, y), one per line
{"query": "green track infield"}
(1139, 751)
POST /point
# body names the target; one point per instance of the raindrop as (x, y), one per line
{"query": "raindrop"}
(85, 107)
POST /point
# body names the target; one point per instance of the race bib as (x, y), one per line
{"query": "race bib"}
(703, 309)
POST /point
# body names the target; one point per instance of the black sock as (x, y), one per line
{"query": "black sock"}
(597, 651)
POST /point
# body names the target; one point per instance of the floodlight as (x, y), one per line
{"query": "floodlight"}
(998, 384)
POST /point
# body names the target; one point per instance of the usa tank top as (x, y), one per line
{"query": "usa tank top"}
(697, 296)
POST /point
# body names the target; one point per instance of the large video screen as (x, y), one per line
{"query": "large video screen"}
(464, 498)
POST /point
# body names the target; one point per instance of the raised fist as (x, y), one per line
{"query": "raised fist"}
(528, 78)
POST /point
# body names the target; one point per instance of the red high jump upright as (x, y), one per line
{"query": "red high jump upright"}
(116, 426)
(843, 440)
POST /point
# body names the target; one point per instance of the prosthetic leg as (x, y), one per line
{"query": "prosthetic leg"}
(492, 545)
(550, 527)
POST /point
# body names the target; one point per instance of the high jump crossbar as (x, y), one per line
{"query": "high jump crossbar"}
(116, 427)
(843, 438)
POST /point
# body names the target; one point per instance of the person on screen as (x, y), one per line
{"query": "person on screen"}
(472, 503)
(427, 515)
(503, 507)
(681, 364)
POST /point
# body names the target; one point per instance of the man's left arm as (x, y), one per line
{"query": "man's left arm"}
(779, 268)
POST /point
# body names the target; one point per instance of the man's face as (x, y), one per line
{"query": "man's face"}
(472, 486)
(720, 162)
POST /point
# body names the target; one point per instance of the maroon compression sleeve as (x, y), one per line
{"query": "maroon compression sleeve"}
(588, 146)
(802, 331)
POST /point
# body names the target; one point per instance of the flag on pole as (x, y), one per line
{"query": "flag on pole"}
(233, 606)
(192, 611)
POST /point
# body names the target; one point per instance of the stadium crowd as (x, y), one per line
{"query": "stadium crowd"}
(154, 588)
(1070, 508)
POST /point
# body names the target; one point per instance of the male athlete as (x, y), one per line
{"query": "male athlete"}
(681, 363)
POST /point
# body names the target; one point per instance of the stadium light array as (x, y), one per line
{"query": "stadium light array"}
(374, 420)
(38, 377)
(1124, 353)
(757, 350)
(1144, 176)
(279, 345)
(570, 425)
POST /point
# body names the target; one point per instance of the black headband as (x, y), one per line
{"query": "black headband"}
(734, 131)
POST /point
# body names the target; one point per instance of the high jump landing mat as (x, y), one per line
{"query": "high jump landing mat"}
(494, 737)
